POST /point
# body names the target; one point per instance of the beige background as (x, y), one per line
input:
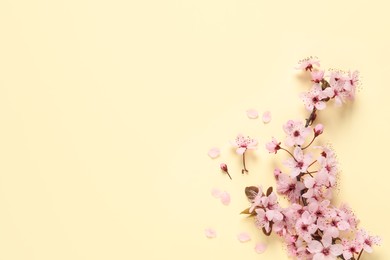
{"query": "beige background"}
(108, 109)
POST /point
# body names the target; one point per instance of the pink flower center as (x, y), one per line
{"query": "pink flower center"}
(300, 164)
(304, 227)
(326, 251)
(315, 99)
(291, 187)
(296, 133)
(368, 242)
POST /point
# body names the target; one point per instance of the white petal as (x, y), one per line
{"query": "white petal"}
(267, 117)
(241, 150)
(210, 233)
(225, 198)
(315, 247)
(336, 249)
(252, 113)
(260, 248)
(243, 237)
(214, 152)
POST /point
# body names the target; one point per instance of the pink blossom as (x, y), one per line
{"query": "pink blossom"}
(214, 152)
(350, 248)
(367, 241)
(289, 187)
(252, 113)
(325, 249)
(315, 185)
(273, 146)
(308, 63)
(317, 76)
(296, 132)
(306, 226)
(243, 237)
(299, 163)
(351, 81)
(267, 117)
(318, 129)
(244, 143)
(314, 98)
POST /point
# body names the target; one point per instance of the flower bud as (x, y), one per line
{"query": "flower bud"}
(224, 167)
(318, 129)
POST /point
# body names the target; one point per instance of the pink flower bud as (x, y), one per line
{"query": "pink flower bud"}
(224, 167)
(318, 129)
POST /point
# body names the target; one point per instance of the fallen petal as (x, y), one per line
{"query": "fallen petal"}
(260, 248)
(225, 198)
(243, 237)
(214, 152)
(210, 233)
(252, 113)
(267, 117)
(216, 193)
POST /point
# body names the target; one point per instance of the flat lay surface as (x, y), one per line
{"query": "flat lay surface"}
(108, 110)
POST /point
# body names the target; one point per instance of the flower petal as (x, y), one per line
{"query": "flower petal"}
(214, 152)
(210, 233)
(241, 150)
(216, 193)
(267, 117)
(225, 198)
(260, 248)
(252, 113)
(243, 237)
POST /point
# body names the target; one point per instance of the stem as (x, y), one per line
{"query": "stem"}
(311, 164)
(289, 153)
(243, 163)
(312, 140)
(229, 175)
(361, 252)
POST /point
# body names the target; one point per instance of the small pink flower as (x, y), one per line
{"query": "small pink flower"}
(314, 98)
(308, 63)
(289, 187)
(318, 129)
(243, 237)
(273, 146)
(214, 152)
(299, 163)
(296, 132)
(244, 143)
(325, 249)
(210, 233)
(351, 81)
(317, 76)
(367, 241)
(260, 248)
(350, 248)
(267, 117)
(305, 226)
(252, 113)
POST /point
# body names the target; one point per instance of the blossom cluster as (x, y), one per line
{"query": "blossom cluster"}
(311, 226)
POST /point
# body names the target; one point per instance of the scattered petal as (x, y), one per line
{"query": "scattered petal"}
(214, 152)
(216, 193)
(225, 198)
(260, 248)
(210, 233)
(252, 113)
(267, 117)
(243, 237)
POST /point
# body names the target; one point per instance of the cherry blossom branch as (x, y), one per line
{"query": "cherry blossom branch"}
(360, 254)
(281, 148)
